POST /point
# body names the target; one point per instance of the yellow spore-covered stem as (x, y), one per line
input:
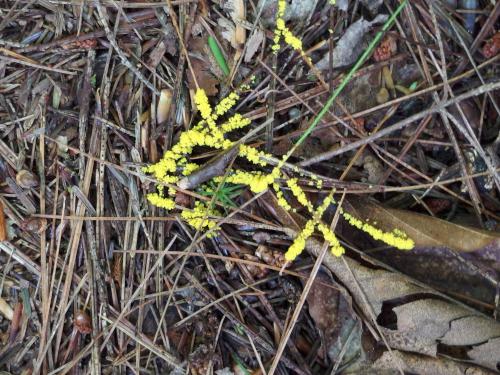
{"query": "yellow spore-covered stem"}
(161, 202)
(282, 31)
(199, 217)
(396, 238)
(299, 243)
(299, 193)
(202, 103)
(208, 134)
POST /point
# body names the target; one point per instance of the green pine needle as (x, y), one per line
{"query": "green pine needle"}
(224, 194)
(347, 78)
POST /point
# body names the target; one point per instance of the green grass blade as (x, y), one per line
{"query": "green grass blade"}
(347, 78)
(214, 47)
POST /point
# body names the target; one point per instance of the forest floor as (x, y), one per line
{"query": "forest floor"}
(249, 187)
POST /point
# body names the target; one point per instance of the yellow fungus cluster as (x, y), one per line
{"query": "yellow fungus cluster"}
(252, 155)
(299, 243)
(256, 181)
(162, 202)
(203, 105)
(235, 122)
(299, 193)
(198, 217)
(396, 238)
(207, 133)
(226, 104)
(281, 198)
(282, 31)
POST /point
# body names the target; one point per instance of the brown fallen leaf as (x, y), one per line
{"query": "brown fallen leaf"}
(323, 306)
(425, 324)
(456, 259)
(253, 44)
(425, 230)
(335, 319)
(205, 79)
(204, 66)
(166, 45)
(467, 276)
(350, 45)
(487, 354)
(422, 325)
(392, 362)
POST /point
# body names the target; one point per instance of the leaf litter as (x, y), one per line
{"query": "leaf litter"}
(91, 93)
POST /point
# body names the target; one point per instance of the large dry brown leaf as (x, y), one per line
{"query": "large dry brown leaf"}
(332, 312)
(369, 288)
(423, 324)
(416, 364)
(487, 354)
(427, 231)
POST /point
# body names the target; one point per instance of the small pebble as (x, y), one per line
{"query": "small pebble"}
(294, 113)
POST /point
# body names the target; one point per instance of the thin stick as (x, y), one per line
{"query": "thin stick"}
(402, 124)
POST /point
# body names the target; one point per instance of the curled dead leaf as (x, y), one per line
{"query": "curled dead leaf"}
(350, 45)
(164, 105)
(253, 44)
(26, 179)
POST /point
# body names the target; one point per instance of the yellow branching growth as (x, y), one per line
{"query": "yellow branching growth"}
(282, 31)
(209, 133)
(198, 216)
